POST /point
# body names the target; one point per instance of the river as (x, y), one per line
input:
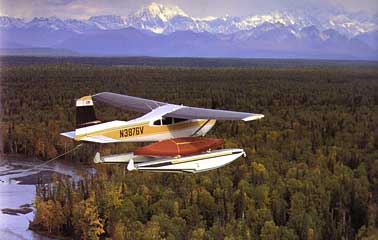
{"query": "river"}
(17, 187)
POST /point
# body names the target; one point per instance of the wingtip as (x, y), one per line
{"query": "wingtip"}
(94, 95)
(253, 117)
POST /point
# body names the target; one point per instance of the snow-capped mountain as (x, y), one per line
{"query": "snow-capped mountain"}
(52, 23)
(159, 18)
(297, 32)
(107, 22)
(10, 22)
(164, 19)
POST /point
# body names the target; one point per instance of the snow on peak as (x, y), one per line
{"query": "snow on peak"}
(107, 21)
(208, 18)
(158, 18)
(165, 13)
(8, 22)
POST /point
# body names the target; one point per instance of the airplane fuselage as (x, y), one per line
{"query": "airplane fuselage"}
(143, 131)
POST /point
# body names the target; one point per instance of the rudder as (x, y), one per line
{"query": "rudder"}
(85, 113)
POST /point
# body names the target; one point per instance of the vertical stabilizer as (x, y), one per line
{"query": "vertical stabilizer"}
(85, 113)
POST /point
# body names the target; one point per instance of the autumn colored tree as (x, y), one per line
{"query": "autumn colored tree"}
(310, 173)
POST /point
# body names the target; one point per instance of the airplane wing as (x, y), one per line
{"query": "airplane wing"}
(204, 113)
(136, 104)
(177, 111)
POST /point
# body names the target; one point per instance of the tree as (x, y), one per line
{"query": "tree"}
(270, 231)
(86, 219)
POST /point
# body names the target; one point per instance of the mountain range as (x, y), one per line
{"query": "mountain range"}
(161, 30)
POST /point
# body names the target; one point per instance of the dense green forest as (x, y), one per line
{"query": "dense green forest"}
(311, 170)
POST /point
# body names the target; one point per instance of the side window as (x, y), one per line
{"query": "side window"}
(177, 120)
(167, 121)
(157, 122)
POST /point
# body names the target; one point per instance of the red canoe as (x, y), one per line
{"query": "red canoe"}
(179, 146)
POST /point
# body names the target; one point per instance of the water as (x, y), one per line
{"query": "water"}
(13, 194)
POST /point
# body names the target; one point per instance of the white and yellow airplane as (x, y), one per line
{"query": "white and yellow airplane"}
(182, 125)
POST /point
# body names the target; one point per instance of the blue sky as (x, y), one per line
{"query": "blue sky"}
(82, 9)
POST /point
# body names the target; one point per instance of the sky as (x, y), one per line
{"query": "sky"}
(82, 9)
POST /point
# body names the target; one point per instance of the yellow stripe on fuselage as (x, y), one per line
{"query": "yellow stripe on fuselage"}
(146, 129)
(102, 132)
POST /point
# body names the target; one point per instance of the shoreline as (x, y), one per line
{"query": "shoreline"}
(48, 234)
(42, 177)
(18, 176)
(33, 159)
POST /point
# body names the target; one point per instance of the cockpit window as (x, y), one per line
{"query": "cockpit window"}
(177, 120)
(157, 122)
(167, 121)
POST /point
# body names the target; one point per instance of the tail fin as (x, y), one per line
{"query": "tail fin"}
(85, 113)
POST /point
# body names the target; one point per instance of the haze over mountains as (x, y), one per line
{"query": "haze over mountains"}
(159, 30)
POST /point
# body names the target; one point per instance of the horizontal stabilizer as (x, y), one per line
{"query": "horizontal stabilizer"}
(98, 139)
(69, 134)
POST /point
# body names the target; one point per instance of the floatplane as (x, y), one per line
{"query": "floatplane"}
(177, 133)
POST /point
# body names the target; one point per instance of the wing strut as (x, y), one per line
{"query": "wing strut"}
(202, 126)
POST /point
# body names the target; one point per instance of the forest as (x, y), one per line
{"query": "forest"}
(311, 170)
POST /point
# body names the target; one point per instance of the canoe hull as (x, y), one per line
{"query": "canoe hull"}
(179, 146)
